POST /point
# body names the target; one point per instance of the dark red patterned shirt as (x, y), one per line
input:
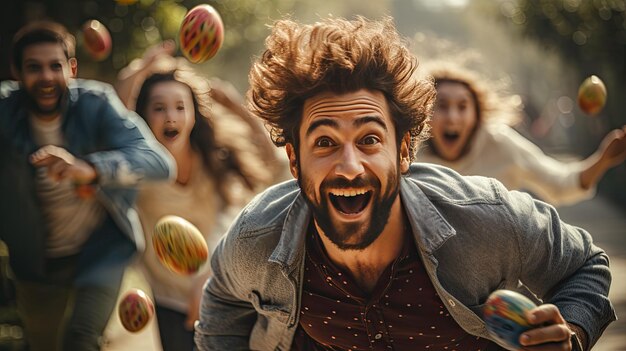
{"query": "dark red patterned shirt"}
(403, 312)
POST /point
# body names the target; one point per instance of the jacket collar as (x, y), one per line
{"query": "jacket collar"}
(430, 228)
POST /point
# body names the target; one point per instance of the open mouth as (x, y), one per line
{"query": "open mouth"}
(350, 201)
(46, 92)
(170, 133)
(451, 136)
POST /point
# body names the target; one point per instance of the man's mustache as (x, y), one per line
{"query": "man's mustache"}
(343, 183)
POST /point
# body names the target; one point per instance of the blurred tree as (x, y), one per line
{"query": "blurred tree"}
(591, 36)
(137, 24)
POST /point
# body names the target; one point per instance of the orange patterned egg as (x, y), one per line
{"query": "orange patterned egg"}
(179, 245)
(97, 40)
(135, 310)
(201, 33)
(592, 95)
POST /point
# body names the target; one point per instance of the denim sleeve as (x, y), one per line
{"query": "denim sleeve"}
(226, 318)
(560, 263)
(132, 152)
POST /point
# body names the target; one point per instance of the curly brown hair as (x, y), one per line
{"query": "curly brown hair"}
(341, 56)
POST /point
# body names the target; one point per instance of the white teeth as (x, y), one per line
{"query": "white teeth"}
(348, 192)
(47, 90)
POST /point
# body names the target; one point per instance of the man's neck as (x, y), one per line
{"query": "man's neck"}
(46, 118)
(368, 264)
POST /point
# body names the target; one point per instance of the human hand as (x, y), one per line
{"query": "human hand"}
(613, 148)
(62, 165)
(167, 47)
(552, 333)
(193, 310)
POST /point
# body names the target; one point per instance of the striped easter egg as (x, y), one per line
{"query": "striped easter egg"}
(201, 33)
(135, 310)
(179, 245)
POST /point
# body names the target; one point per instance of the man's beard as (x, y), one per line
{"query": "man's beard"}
(33, 106)
(353, 236)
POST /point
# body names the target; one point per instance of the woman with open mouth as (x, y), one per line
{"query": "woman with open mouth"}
(471, 133)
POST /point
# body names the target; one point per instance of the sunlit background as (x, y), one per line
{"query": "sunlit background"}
(541, 49)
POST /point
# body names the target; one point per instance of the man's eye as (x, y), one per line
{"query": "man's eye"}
(323, 142)
(180, 108)
(370, 140)
(57, 67)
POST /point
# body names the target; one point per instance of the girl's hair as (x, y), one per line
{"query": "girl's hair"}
(219, 160)
(490, 106)
(340, 56)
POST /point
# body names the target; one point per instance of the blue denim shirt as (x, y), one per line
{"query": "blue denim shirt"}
(473, 235)
(98, 128)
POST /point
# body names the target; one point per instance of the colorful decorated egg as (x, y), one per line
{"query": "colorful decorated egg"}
(179, 245)
(504, 314)
(97, 40)
(135, 310)
(201, 33)
(592, 95)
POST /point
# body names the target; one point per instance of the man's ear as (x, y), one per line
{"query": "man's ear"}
(405, 156)
(293, 162)
(73, 66)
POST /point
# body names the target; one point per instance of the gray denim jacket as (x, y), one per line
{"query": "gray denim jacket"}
(473, 235)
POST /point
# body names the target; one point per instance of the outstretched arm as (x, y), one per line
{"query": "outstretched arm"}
(561, 264)
(132, 76)
(612, 152)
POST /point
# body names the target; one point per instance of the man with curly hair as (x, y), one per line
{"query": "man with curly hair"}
(366, 250)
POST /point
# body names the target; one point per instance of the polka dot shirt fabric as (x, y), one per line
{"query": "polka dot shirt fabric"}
(403, 312)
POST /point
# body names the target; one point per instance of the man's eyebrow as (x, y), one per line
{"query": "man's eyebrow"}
(368, 119)
(321, 122)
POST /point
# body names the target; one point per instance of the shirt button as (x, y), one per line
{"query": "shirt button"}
(451, 302)
(378, 336)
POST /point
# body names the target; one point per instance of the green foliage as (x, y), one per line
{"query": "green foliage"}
(591, 36)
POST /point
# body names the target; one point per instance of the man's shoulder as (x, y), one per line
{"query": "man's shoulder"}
(80, 88)
(257, 230)
(269, 208)
(441, 183)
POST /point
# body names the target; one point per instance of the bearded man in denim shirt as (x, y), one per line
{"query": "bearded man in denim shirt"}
(366, 250)
(72, 156)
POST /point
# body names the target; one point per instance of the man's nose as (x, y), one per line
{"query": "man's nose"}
(46, 74)
(350, 164)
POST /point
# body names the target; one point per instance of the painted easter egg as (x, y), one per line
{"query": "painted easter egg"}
(135, 310)
(592, 95)
(201, 33)
(179, 245)
(97, 40)
(504, 314)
